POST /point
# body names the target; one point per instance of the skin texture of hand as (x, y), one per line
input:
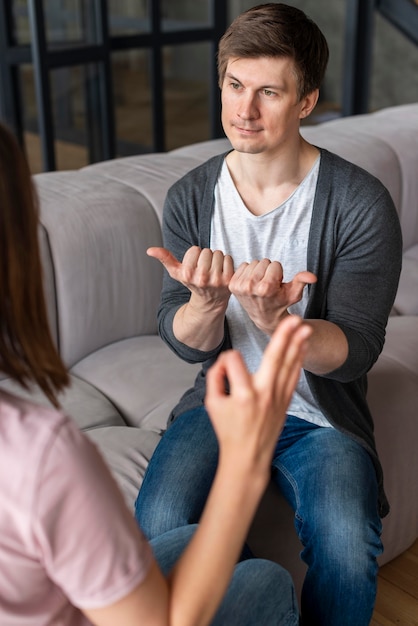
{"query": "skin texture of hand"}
(209, 276)
(204, 272)
(200, 322)
(259, 288)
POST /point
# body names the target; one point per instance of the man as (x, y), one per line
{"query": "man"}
(279, 226)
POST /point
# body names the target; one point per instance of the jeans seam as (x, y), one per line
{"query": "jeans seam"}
(293, 484)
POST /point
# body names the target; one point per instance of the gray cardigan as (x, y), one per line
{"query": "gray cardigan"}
(354, 249)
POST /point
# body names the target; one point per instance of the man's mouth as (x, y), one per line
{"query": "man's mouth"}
(246, 130)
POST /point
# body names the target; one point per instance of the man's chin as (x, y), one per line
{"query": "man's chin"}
(245, 147)
(243, 144)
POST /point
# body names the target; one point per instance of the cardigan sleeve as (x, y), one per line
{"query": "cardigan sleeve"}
(356, 252)
(186, 223)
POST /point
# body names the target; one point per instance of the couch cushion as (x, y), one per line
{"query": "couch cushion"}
(149, 174)
(392, 396)
(141, 376)
(371, 153)
(107, 287)
(406, 302)
(127, 452)
(385, 144)
(85, 404)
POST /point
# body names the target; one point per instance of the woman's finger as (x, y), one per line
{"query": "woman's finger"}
(273, 357)
(229, 365)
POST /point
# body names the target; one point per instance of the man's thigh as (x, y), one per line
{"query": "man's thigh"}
(329, 480)
(179, 476)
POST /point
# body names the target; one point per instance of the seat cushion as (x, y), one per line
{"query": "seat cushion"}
(141, 376)
(127, 451)
(86, 405)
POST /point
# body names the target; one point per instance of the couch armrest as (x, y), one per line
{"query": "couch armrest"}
(393, 399)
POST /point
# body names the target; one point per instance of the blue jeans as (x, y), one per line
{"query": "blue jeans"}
(328, 479)
(252, 598)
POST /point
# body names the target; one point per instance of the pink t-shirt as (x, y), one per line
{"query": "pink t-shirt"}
(67, 539)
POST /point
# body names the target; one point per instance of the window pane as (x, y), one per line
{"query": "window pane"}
(186, 83)
(68, 89)
(129, 17)
(185, 14)
(132, 97)
(67, 22)
(69, 117)
(21, 32)
(30, 119)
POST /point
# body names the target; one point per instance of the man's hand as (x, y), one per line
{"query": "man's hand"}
(248, 420)
(259, 288)
(199, 323)
(205, 273)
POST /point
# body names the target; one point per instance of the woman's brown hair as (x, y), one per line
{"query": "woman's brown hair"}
(27, 351)
(277, 30)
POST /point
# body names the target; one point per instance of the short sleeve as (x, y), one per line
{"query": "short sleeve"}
(89, 542)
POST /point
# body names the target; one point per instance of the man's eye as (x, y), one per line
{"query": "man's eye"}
(268, 92)
(235, 85)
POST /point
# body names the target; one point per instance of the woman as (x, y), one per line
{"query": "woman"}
(70, 551)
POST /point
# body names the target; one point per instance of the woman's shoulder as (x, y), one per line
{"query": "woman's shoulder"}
(23, 422)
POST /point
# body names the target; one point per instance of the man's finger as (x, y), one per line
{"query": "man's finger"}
(165, 257)
(307, 278)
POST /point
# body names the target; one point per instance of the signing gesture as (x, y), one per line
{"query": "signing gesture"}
(200, 322)
(204, 272)
(259, 288)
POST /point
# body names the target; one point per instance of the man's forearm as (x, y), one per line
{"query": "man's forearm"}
(200, 326)
(328, 348)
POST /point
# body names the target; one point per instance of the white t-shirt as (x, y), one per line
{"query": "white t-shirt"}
(67, 539)
(279, 235)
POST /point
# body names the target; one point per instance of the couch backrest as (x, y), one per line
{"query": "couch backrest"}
(386, 144)
(96, 232)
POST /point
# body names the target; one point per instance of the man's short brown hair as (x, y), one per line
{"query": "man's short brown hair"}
(277, 30)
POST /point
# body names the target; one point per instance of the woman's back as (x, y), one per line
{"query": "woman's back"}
(59, 508)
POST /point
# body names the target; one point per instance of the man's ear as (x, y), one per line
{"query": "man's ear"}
(308, 103)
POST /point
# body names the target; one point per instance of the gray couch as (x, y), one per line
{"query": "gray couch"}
(103, 291)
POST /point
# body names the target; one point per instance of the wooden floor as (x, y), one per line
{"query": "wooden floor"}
(397, 594)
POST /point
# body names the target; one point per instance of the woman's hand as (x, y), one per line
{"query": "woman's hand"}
(248, 420)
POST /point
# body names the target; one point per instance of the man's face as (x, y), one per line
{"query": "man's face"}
(260, 106)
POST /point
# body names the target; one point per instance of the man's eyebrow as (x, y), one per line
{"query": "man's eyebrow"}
(237, 80)
(229, 75)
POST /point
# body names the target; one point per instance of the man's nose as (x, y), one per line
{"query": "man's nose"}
(248, 107)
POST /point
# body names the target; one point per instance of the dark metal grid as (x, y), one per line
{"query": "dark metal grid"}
(100, 112)
(359, 31)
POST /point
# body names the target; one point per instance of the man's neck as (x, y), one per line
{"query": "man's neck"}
(265, 181)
